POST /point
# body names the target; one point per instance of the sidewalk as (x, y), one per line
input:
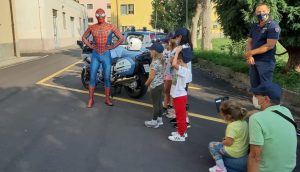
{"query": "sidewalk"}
(12, 61)
(28, 57)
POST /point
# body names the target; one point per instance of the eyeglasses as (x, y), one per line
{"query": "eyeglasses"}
(100, 15)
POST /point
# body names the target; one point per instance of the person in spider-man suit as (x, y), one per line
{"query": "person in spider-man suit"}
(102, 34)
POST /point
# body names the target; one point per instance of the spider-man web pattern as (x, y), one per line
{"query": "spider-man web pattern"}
(102, 34)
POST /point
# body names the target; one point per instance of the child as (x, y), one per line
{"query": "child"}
(235, 143)
(179, 95)
(183, 38)
(155, 81)
(168, 54)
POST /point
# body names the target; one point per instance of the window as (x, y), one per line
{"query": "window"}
(89, 6)
(72, 26)
(90, 19)
(127, 9)
(80, 25)
(131, 9)
(54, 12)
(108, 6)
(123, 10)
(124, 28)
(64, 20)
(84, 24)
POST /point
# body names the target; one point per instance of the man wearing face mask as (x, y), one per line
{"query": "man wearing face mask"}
(272, 132)
(102, 33)
(261, 46)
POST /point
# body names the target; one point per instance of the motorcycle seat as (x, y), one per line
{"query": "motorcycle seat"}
(114, 60)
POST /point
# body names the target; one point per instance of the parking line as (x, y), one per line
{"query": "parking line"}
(57, 73)
(130, 101)
(194, 88)
(43, 83)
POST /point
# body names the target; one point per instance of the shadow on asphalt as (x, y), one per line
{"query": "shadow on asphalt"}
(44, 129)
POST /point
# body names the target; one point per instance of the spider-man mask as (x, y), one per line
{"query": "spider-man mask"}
(100, 15)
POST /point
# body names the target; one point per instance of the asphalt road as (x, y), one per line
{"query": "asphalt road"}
(45, 127)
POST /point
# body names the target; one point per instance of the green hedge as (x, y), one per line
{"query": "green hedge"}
(290, 80)
(234, 62)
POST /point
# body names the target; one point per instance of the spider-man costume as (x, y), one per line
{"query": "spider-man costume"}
(102, 34)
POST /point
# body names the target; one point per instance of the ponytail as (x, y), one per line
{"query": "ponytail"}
(244, 112)
(187, 39)
(190, 40)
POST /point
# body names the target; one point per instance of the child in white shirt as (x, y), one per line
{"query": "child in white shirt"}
(179, 95)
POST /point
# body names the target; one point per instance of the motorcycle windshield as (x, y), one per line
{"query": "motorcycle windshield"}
(123, 52)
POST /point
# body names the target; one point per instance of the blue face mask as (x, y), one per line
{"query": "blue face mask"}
(262, 16)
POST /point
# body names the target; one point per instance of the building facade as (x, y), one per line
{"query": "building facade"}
(131, 13)
(216, 29)
(91, 7)
(8, 34)
(49, 24)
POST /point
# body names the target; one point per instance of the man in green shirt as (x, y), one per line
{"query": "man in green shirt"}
(273, 139)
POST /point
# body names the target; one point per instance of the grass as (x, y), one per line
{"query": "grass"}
(236, 63)
(221, 56)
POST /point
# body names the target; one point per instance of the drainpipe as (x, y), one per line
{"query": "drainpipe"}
(13, 27)
(117, 14)
(40, 22)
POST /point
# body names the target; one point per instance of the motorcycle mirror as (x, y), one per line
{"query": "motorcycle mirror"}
(80, 43)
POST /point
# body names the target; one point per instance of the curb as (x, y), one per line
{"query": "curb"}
(14, 61)
(241, 81)
(29, 57)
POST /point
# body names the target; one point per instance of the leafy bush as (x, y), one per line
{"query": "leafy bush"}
(290, 80)
(235, 62)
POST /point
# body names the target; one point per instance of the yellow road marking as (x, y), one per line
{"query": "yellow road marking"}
(129, 101)
(206, 117)
(194, 88)
(43, 83)
(57, 73)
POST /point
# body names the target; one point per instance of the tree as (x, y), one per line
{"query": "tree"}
(195, 24)
(171, 14)
(206, 26)
(236, 16)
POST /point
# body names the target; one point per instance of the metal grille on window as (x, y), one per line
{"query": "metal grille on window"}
(131, 9)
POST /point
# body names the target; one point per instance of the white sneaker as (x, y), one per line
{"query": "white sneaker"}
(177, 138)
(171, 113)
(176, 133)
(217, 169)
(152, 124)
(160, 121)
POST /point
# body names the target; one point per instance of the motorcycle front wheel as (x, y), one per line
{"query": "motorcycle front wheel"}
(140, 90)
(85, 78)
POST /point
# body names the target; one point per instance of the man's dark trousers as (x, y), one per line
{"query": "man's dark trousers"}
(261, 71)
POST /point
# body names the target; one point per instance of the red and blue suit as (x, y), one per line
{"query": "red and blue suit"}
(102, 34)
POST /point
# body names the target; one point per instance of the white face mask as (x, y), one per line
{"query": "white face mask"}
(255, 102)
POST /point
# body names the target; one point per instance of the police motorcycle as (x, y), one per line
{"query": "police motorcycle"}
(130, 68)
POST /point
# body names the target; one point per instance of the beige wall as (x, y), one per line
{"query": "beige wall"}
(36, 24)
(96, 4)
(7, 45)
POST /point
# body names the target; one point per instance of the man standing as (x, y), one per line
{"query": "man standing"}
(261, 46)
(272, 132)
(102, 33)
